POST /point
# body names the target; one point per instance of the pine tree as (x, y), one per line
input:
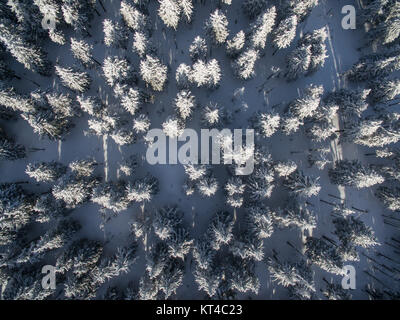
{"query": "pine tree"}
(390, 197)
(349, 102)
(305, 106)
(32, 57)
(262, 27)
(236, 44)
(173, 127)
(207, 186)
(219, 231)
(179, 243)
(141, 124)
(234, 189)
(353, 230)
(208, 280)
(166, 220)
(301, 8)
(142, 190)
(185, 103)
(242, 277)
(169, 12)
(78, 14)
(206, 74)
(82, 51)
(132, 17)
(16, 209)
(291, 274)
(373, 67)
(74, 79)
(153, 72)
(217, 27)
(384, 90)
(301, 185)
(73, 190)
(196, 172)
(214, 115)
(47, 209)
(203, 254)
(244, 65)
(114, 34)
(285, 32)
(117, 70)
(187, 9)
(285, 169)
(142, 44)
(182, 76)
(198, 49)
(9, 150)
(111, 195)
(259, 220)
(45, 171)
(354, 174)
(83, 168)
(298, 62)
(295, 215)
(16, 102)
(324, 255)
(334, 291)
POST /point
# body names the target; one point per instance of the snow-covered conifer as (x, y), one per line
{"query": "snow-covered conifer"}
(220, 229)
(259, 220)
(117, 70)
(262, 27)
(217, 27)
(353, 230)
(384, 90)
(169, 12)
(179, 243)
(285, 32)
(301, 185)
(244, 65)
(141, 124)
(173, 127)
(198, 49)
(182, 76)
(236, 44)
(185, 103)
(82, 51)
(305, 106)
(142, 190)
(285, 169)
(153, 72)
(354, 174)
(111, 195)
(166, 221)
(390, 197)
(114, 34)
(132, 17)
(45, 171)
(74, 79)
(83, 168)
(207, 186)
(349, 102)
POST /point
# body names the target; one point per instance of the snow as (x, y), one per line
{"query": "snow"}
(243, 99)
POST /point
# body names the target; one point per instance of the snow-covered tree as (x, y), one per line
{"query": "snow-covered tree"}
(234, 189)
(114, 34)
(353, 230)
(259, 220)
(285, 32)
(74, 79)
(324, 255)
(198, 49)
(219, 231)
(187, 9)
(301, 185)
(384, 90)
(179, 243)
(305, 106)
(295, 215)
(217, 27)
(132, 17)
(319, 157)
(73, 190)
(206, 74)
(111, 195)
(169, 12)
(301, 8)
(82, 51)
(182, 76)
(166, 221)
(196, 172)
(390, 197)
(14, 101)
(16, 209)
(185, 102)
(9, 150)
(291, 274)
(214, 115)
(173, 127)
(262, 27)
(31, 56)
(117, 70)
(142, 190)
(334, 291)
(203, 254)
(45, 171)
(153, 72)
(285, 169)
(242, 277)
(349, 102)
(354, 174)
(142, 44)
(243, 66)
(47, 208)
(373, 67)
(207, 280)
(91, 105)
(141, 124)
(207, 186)
(235, 45)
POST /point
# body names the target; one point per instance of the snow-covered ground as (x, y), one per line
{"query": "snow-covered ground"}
(244, 98)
